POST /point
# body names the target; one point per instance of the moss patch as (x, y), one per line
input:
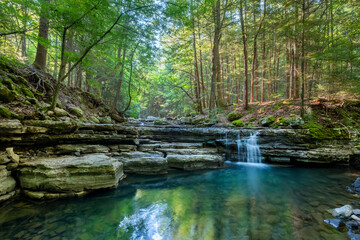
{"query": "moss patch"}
(238, 123)
(319, 132)
(233, 116)
(4, 112)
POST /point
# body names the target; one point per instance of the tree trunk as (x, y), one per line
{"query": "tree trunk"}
(119, 82)
(244, 38)
(196, 74)
(40, 59)
(215, 57)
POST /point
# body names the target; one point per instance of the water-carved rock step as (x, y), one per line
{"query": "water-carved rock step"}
(69, 175)
(143, 162)
(192, 162)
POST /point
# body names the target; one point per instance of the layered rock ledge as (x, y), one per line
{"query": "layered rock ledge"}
(69, 175)
(51, 159)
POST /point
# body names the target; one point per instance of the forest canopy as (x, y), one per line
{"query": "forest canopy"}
(176, 58)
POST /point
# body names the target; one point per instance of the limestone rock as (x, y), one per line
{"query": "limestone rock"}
(60, 112)
(7, 183)
(70, 173)
(191, 162)
(55, 127)
(10, 126)
(344, 211)
(14, 157)
(191, 151)
(4, 158)
(73, 148)
(7, 196)
(94, 119)
(76, 111)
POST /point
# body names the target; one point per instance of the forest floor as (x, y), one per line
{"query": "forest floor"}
(26, 93)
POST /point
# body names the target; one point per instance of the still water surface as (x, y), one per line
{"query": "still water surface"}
(241, 201)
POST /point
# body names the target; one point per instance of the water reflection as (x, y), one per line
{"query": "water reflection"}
(239, 202)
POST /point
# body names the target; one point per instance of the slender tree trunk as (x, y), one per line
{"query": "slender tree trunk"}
(244, 38)
(41, 52)
(119, 82)
(196, 74)
(215, 57)
(204, 93)
(303, 58)
(263, 69)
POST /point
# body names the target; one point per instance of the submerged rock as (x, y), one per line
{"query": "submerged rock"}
(70, 174)
(337, 223)
(356, 185)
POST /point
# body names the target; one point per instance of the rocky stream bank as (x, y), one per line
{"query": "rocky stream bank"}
(51, 159)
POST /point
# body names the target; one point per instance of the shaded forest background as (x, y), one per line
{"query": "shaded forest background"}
(177, 58)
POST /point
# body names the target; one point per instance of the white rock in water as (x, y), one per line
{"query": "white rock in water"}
(344, 211)
(356, 218)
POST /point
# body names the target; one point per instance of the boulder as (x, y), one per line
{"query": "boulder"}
(94, 119)
(76, 111)
(192, 162)
(343, 212)
(294, 122)
(70, 174)
(60, 112)
(337, 224)
(266, 121)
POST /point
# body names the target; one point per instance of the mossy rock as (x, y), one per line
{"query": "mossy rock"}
(27, 92)
(54, 126)
(238, 123)
(267, 121)
(76, 111)
(319, 132)
(280, 121)
(94, 119)
(194, 121)
(5, 94)
(250, 125)
(33, 101)
(60, 112)
(294, 122)
(261, 110)
(4, 112)
(160, 122)
(252, 119)
(105, 120)
(233, 116)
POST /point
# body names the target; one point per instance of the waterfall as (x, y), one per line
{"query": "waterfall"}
(253, 149)
(247, 149)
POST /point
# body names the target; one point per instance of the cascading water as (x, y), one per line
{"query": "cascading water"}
(247, 149)
(252, 149)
